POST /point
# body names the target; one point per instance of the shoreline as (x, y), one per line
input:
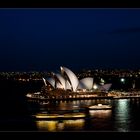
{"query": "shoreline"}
(84, 98)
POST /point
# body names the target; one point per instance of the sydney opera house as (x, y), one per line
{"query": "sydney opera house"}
(67, 81)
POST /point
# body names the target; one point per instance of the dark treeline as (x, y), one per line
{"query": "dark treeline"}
(15, 115)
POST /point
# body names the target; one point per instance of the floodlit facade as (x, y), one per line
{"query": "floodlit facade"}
(67, 80)
(51, 82)
(68, 86)
(62, 80)
(105, 87)
(86, 83)
(72, 78)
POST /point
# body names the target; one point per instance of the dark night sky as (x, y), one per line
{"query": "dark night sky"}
(44, 39)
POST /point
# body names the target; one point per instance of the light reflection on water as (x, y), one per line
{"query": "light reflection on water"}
(100, 113)
(53, 126)
(124, 116)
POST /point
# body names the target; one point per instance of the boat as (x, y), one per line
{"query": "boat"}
(59, 116)
(100, 107)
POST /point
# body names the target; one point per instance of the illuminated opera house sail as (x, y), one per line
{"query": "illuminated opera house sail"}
(66, 80)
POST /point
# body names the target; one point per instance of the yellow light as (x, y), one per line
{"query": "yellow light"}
(74, 124)
(95, 87)
(99, 104)
(47, 125)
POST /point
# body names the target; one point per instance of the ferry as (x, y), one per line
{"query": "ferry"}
(42, 116)
(100, 107)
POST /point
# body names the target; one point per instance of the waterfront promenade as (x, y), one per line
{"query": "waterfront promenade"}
(117, 95)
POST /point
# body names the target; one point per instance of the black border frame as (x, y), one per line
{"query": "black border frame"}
(70, 135)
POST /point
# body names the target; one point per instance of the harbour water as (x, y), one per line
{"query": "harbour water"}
(123, 117)
(16, 114)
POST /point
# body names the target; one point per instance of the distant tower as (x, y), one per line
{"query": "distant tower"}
(133, 84)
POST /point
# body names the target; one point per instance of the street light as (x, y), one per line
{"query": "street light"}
(122, 80)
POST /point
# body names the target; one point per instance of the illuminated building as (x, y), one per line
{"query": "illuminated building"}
(67, 80)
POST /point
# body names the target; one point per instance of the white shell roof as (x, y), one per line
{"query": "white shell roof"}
(86, 83)
(51, 81)
(72, 82)
(44, 80)
(72, 77)
(68, 86)
(61, 79)
(58, 85)
(105, 87)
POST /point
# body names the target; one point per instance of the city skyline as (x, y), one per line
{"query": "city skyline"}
(44, 39)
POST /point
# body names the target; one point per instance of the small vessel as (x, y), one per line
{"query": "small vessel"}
(44, 103)
(59, 116)
(100, 107)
